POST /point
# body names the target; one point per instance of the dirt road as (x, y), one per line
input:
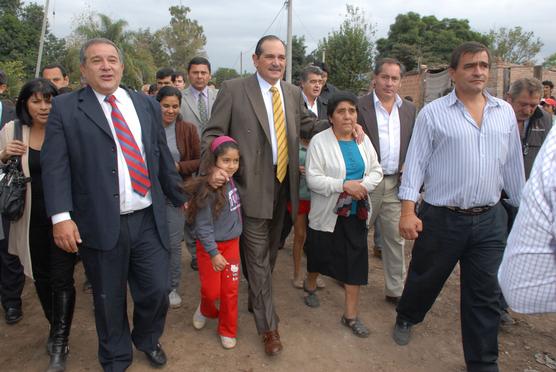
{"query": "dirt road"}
(314, 339)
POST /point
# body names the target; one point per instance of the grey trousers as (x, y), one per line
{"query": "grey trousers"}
(176, 221)
(386, 210)
(189, 237)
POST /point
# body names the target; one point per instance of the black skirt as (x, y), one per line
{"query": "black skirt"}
(342, 254)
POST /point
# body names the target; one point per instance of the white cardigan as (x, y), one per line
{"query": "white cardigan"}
(326, 171)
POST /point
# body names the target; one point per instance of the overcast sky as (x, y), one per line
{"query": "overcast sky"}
(235, 26)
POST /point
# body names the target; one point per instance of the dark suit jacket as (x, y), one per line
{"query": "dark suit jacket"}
(540, 124)
(8, 112)
(79, 166)
(321, 107)
(239, 112)
(367, 118)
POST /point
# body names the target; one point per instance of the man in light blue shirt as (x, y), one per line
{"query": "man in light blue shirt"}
(465, 150)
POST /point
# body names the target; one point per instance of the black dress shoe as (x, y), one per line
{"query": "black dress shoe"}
(194, 265)
(157, 357)
(13, 315)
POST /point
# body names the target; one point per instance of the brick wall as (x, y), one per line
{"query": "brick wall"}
(411, 86)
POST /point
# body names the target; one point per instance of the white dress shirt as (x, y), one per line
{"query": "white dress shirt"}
(527, 274)
(267, 97)
(388, 135)
(130, 201)
(314, 108)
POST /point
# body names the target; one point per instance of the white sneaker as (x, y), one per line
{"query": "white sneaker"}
(199, 320)
(228, 342)
(175, 299)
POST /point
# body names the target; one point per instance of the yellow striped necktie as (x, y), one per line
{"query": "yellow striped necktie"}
(281, 140)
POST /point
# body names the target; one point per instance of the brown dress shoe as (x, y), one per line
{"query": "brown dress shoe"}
(272, 344)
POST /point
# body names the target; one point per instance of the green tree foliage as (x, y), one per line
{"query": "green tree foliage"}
(416, 40)
(222, 74)
(350, 51)
(299, 61)
(514, 45)
(550, 61)
(15, 71)
(20, 35)
(183, 39)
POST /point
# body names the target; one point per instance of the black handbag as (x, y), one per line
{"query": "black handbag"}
(13, 184)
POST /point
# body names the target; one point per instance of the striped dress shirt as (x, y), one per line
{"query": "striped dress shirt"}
(460, 163)
(528, 271)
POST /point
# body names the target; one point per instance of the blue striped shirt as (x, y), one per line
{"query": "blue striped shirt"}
(459, 163)
(527, 274)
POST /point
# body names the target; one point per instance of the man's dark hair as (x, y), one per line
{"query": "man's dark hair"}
(164, 72)
(198, 61)
(55, 65)
(338, 97)
(310, 70)
(3, 78)
(152, 89)
(472, 47)
(388, 61)
(549, 83)
(176, 74)
(259, 47)
(323, 66)
(98, 40)
(39, 85)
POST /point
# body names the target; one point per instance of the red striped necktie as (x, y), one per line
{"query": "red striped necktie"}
(135, 164)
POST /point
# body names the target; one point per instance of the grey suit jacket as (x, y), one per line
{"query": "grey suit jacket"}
(239, 112)
(367, 118)
(190, 110)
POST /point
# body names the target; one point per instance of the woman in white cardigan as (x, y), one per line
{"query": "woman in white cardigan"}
(340, 174)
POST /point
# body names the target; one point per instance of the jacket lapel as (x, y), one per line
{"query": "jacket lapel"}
(369, 116)
(253, 92)
(192, 103)
(405, 131)
(88, 103)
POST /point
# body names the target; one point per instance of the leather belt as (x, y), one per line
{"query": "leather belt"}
(475, 211)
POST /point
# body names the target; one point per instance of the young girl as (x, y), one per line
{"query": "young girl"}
(216, 215)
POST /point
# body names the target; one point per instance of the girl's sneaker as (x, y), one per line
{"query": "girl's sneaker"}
(228, 342)
(199, 320)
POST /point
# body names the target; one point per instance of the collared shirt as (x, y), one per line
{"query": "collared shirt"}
(388, 135)
(198, 94)
(460, 163)
(527, 274)
(267, 97)
(130, 201)
(314, 108)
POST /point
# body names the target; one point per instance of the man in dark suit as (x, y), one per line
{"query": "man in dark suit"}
(265, 116)
(107, 172)
(388, 120)
(311, 87)
(7, 109)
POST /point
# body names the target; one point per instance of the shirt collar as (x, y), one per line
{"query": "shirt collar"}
(377, 102)
(120, 94)
(265, 85)
(453, 98)
(198, 92)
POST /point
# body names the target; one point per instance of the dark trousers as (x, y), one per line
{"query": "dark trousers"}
(259, 249)
(140, 260)
(477, 243)
(52, 267)
(12, 279)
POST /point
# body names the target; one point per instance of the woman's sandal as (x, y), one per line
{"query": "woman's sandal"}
(357, 327)
(311, 299)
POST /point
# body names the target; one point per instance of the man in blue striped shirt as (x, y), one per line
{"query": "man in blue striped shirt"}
(465, 149)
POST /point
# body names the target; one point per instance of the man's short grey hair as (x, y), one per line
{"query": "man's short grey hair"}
(98, 40)
(531, 85)
(310, 70)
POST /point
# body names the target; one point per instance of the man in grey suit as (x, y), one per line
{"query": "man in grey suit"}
(388, 121)
(196, 104)
(254, 111)
(194, 109)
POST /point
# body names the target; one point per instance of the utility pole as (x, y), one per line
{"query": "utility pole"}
(241, 63)
(324, 56)
(41, 44)
(289, 44)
